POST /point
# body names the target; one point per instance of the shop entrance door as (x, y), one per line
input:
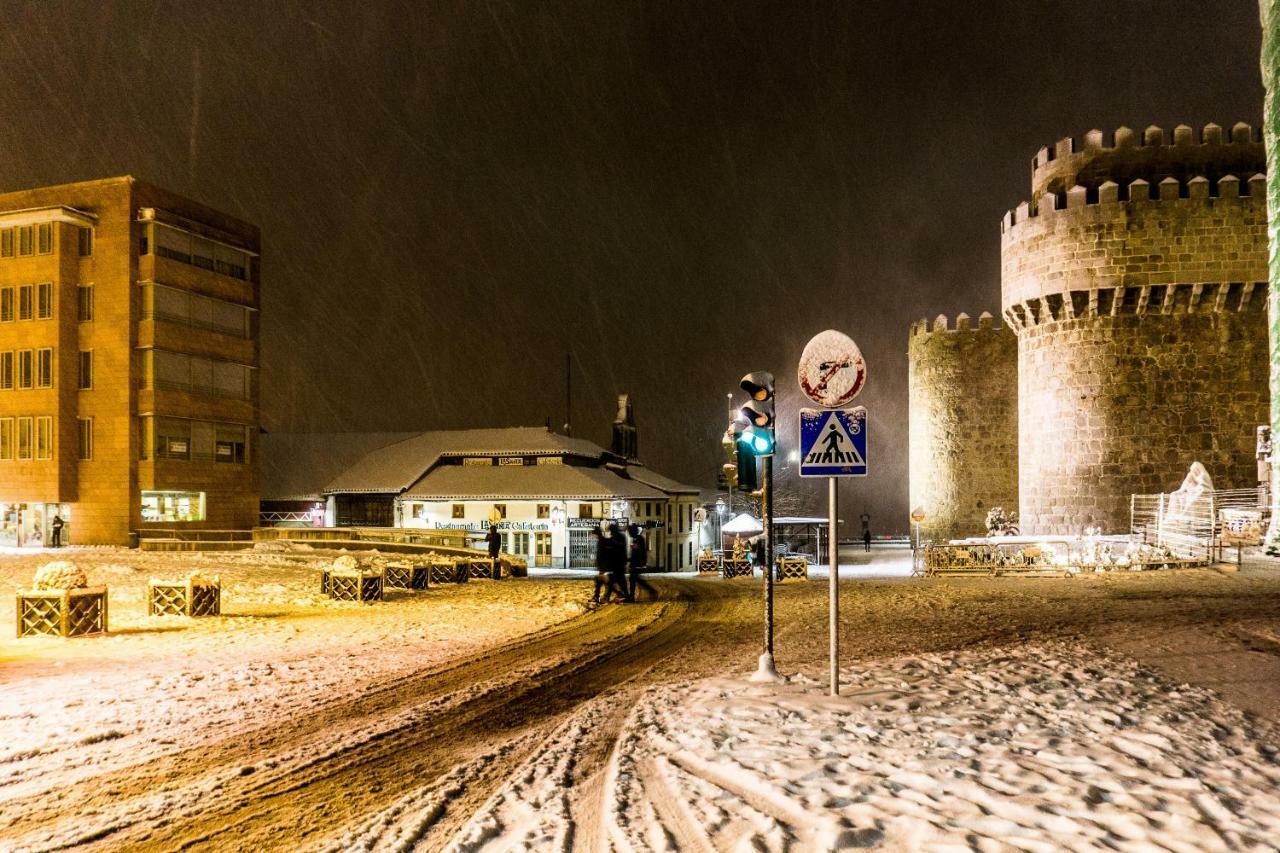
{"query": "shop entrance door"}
(542, 549)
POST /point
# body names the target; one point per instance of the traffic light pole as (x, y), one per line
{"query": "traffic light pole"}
(766, 670)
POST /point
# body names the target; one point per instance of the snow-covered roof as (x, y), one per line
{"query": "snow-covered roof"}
(393, 469)
(298, 466)
(554, 482)
(652, 478)
(743, 523)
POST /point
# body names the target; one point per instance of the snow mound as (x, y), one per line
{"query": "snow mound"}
(60, 574)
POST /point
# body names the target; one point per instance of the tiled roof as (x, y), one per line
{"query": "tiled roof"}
(393, 469)
(554, 482)
(652, 478)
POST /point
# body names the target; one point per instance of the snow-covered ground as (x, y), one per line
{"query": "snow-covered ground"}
(71, 709)
(1039, 747)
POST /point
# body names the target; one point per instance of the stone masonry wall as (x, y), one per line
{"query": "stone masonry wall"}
(963, 424)
(1112, 406)
(1135, 280)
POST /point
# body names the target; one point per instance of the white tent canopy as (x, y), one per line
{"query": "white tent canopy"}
(743, 525)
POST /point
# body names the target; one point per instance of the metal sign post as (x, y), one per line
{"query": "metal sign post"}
(831, 373)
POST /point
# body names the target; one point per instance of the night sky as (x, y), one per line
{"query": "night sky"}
(454, 195)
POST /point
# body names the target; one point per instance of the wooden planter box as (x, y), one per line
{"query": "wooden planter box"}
(448, 571)
(737, 568)
(62, 612)
(365, 587)
(792, 568)
(708, 566)
(483, 568)
(405, 577)
(184, 598)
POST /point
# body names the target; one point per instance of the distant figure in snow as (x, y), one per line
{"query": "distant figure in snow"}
(757, 551)
(56, 524)
(637, 562)
(866, 540)
(495, 542)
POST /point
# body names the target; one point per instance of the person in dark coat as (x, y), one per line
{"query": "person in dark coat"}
(636, 563)
(866, 541)
(56, 525)
(495, 542)
(611, 564)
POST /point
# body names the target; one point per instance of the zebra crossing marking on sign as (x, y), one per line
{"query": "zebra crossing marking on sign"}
(833, 443)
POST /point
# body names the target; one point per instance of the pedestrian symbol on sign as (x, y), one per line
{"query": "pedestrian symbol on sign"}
(833, 443)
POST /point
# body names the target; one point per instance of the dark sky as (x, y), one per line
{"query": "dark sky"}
(453, 195)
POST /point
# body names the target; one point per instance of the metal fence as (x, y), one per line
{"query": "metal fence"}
(1191, 527)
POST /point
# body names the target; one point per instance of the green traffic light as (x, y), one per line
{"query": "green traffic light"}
(758, 441)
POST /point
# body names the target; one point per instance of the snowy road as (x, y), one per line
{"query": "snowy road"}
(536, 737)
(440, 740)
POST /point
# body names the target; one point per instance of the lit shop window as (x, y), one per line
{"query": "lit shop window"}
(172, 506)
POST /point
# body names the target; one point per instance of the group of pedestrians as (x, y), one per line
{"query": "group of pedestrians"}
(619, 565)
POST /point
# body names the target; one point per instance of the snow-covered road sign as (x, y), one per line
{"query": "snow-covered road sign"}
(833, 443)
(832, 370)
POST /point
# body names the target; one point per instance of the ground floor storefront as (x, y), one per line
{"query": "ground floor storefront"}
(33, 524)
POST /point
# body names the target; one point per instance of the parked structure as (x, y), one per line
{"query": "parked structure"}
(1134, 279)
(547, 493)
(128, 356)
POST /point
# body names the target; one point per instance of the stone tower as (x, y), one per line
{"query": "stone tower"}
(963, 387)
(1135, 279)
(626, 438)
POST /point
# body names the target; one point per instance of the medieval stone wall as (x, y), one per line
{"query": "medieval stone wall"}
(963, 424)
(1140, 310)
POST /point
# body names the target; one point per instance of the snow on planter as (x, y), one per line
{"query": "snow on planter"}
(61, 603)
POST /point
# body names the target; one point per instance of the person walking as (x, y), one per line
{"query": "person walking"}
(56, 524)
(494, 540)
(636, 563)
(611, 564)
(866, 540)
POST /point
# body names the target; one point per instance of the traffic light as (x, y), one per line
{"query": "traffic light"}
(759, 434)
(741, 470)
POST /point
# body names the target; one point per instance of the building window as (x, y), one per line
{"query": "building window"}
(178, 245)
(6, 438)
(24, 438)
(86, 242)
(26, 296)
(459, 511)
(85, 448)
(6, 305)
(173, 438)
(44, 437)
(230, 444)
(24, 240)
(44, 300)
(44, 368)
(6, 243)
(86, 370)
(182, 306)
(500, 510)
(44, 238)
(26, 368)
(544, 510)
(181, 372)
(6, 371)
(85, 300)
(586, 511)
(172, 506)
(520, 544)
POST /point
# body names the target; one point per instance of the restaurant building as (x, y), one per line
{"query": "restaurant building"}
(128, 361)
(546, 493)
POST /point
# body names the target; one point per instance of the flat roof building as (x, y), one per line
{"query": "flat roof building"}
(128, 363)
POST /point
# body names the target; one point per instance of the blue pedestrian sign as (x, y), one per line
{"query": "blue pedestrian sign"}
(833, 443)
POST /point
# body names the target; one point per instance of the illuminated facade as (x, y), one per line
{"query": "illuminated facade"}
(128, 362)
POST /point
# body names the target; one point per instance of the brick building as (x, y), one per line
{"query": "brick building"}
(128, 363)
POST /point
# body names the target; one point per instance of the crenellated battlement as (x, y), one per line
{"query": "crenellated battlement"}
(1196, 188)
(987, 322)
(1149, 300)
(1153, 154)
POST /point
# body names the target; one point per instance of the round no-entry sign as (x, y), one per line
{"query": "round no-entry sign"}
(832, 370)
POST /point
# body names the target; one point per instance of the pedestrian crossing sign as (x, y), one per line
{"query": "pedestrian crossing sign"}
(833, 443)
